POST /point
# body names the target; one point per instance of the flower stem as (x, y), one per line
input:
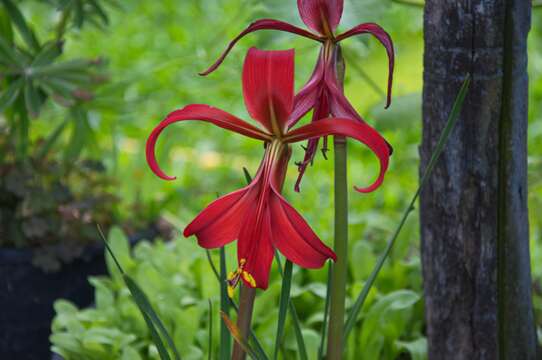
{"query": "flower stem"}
(339, 273)
(246, 305)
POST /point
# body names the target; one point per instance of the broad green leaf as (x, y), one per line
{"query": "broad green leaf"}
(8, 97)
(18, 20)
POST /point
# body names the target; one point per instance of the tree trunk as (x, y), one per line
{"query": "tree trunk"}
(474, 221)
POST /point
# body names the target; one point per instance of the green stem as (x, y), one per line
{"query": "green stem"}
(246, 306)
(340, 269)
(326, 314)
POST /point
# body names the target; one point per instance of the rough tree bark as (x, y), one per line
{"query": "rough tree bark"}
(474, 224)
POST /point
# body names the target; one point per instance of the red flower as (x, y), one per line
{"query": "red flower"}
(322, 93)
(257, 215)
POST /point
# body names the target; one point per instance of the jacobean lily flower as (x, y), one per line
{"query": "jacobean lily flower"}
(323, 92)
(258, 216)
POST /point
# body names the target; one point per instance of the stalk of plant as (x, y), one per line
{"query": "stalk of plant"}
(258, 216)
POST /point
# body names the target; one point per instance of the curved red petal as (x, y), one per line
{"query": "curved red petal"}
(349, 128)
(202, 113)
(268, 87)
(263, 24)
(294, 238)
(319, 14)
(385, 39)
(220, 222)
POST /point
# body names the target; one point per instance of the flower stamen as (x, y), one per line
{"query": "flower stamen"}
(235, 276)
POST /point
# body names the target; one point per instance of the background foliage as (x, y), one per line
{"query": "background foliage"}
(154, 51)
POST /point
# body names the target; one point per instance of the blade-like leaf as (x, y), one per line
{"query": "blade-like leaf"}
(99, 11)
(10, 94)
(452, 120)
(248, 178)
(31, 99)
(18, 20)
(225, 338)
(77, 65)
(8, 56)
(295, 320)
(151, 318)
(48, 53)
(236, 333)
(6, 31)
(283, 305)
(210, 345)
(321, 352)
(52, 139)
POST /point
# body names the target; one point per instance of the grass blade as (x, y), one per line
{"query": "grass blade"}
(210, 346)
(225, 337)
(302, 349)
(452, 120)
(151, 318)
(326, 314)
(236, 333)
(283, 305)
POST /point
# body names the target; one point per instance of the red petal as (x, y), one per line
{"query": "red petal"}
(255, 246)
(220, 222)
(305, 100)
(203, 113)
(354, 129)
(268, 87)
(319, 14)
(293, 236)
(264, 24)
(384, 38)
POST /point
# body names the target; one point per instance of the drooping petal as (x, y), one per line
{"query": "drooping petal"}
(293, 236)
(255, 247)
(384, 38)
(203, 113)
(307, 97)
(268, 87)
(220, 222)
(321, 16)
(263, 24)
(354, 129)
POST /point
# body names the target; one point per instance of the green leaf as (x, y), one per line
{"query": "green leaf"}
(31, 99)
(8, 97)
(450, 124)
(225, 337)
(283, 305)
(52, 139)
(98, 9)
(417, 348)
(236, 333)
(48, 53)
(8, 55)
(79, 136)
(18, 20)
(210, 319)
(6, 31)
(77, 65)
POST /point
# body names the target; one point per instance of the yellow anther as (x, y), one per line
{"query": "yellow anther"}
(242, 262)
(230, 291)
(249, 279)
(232, 275)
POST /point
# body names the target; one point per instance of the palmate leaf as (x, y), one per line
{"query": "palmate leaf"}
(452, 120)
(154, 324)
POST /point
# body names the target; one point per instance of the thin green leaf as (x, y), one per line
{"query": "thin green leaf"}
(145, 307)
(6, 32)
(18, 20)
(31, 99)
(8, 54)
(48, 53)
(283, 305)
(79, 15)
(79, 136)
(248, 178)
(8, 97)
(295, 320)
(210, 345)
(225, 337)
(99, 11)
(452, 120)
(321, 353)
(52, 139)
(77, 65)
(236, 333)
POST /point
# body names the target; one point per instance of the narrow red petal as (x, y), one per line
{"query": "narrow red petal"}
(349, 128)
(264, 24)
(220, 222)
(268, 87)
(202, 113)
(255, 246)
(307, 97)
(384, 38)
(319, 14)
(293, 236)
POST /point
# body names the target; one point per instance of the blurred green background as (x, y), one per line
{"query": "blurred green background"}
(154, 52)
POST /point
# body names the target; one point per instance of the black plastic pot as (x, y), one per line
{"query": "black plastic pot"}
(27, 295)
